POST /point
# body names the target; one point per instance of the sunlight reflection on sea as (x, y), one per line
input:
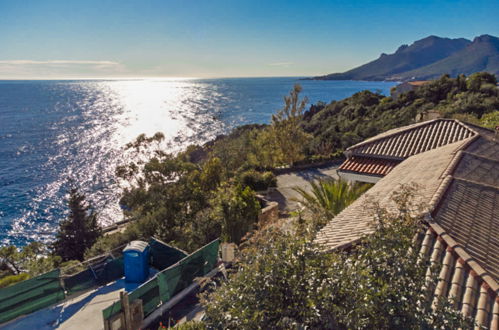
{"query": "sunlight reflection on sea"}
(55, 131)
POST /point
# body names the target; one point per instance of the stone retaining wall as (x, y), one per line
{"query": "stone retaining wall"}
(269, 213)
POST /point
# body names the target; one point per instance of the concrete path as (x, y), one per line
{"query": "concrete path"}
(83, 311)
(284, 193)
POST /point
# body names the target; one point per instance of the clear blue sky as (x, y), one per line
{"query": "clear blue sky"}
(185, 38)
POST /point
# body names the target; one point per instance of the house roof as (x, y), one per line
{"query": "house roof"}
(425, 170)
(414, 139)
(368, 165)
(460, 278)
(418, 82)
(469, 213)
(458, 182)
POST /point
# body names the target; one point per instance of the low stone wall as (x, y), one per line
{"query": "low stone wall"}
(296, 168)
(269, 213)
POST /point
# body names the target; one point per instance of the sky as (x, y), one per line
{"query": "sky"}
(222, 38)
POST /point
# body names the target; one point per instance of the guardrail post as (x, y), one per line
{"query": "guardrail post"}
(125, 304)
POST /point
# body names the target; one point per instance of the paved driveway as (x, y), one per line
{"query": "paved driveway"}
(285, 195)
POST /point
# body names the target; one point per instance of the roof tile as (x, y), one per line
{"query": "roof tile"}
(414, 139)
(373, 166)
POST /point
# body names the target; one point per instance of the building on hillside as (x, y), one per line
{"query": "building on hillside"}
(374, 158)
(456, 169)
(406, 87)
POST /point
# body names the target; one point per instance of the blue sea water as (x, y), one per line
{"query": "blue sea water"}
(55, 131)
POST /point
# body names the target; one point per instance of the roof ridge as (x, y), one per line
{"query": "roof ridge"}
(402, 130)
(477, 126)
(462, 253)
(465, 125)
(384, 135)
(447, 174)
(459, 154)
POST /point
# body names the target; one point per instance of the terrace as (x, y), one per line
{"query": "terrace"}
(70, 299)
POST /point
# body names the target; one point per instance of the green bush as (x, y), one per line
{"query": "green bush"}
(258, 181)
(237, 209)
(328, 198)
(288, 283)
(191, 325)
(343, 123)
(490, 120)
(12, 279)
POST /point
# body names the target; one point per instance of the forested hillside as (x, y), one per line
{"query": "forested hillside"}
(340, 124)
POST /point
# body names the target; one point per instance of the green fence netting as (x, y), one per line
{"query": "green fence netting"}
(199, 263)
(98, 274)
(164, 255)
(113, 270)
(149, 293)
(172, 280)
(80, 281)
(112, 310)
(30, 295)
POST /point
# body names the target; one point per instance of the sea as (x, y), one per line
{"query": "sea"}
(56, 132)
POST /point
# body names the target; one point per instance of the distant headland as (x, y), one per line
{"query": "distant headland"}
(428, 58)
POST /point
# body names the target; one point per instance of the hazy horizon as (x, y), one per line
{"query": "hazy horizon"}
(219, 39)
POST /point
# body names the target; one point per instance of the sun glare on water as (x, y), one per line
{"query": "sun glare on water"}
(101, 117)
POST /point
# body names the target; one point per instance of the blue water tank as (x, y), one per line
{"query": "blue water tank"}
(136, 260)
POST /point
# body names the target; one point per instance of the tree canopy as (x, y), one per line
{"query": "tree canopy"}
(79, 231)
(287, 281)
(340, 124)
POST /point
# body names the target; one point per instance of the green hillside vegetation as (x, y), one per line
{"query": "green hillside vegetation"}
(340, 124)
(284, 281)
(208, 191)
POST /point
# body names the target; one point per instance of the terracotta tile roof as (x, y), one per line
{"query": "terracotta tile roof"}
(469, 212)
(478, 169)
(459, 183)
(427, 170)
(487, 148)
(418, 82)
(368, 165)
(414, 139)
(460, 279)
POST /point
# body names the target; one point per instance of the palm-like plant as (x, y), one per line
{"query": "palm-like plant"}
(329, 197)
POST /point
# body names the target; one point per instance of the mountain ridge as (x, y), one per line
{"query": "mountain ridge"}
(428, 58)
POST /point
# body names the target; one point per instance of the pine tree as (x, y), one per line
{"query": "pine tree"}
(79, 231)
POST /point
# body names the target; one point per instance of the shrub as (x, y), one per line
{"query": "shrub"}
(13, 279)
(79, 231)
(257, 181)
(191, 325)
(237, 209)
(328, 198)
(490, 120)
(289, 283)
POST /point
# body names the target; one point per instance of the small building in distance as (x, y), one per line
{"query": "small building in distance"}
(406, 87)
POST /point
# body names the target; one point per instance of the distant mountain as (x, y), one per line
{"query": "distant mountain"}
(481, 55)
(429, 58)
